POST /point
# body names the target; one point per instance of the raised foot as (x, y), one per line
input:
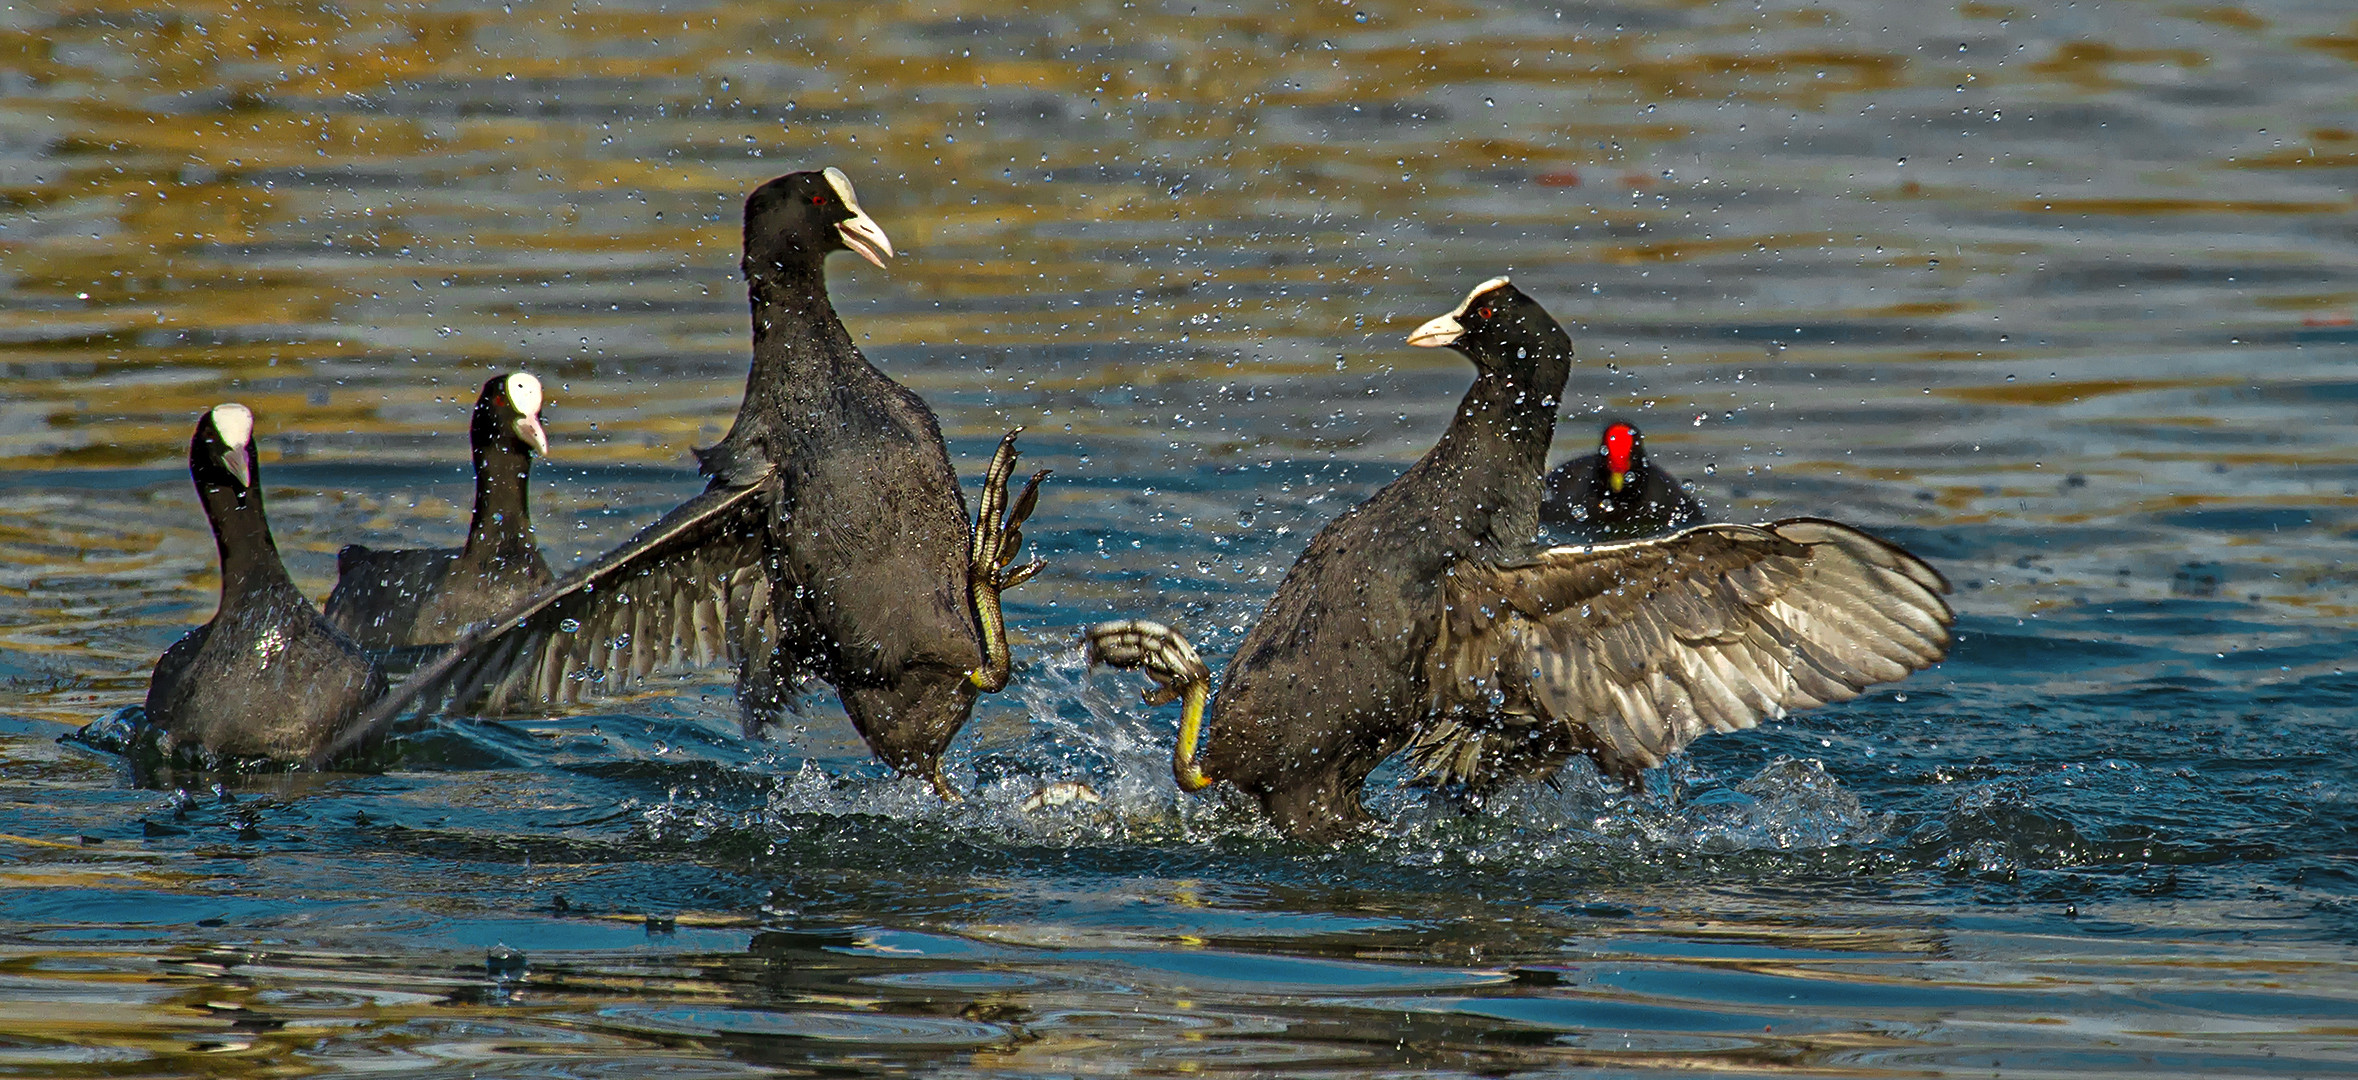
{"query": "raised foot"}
(998, 538)
(1166, 657)
(1160, 651)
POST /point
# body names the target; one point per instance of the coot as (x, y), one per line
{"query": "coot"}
(832, 540)
(389, 599)
(1428, 614)
(267, 677)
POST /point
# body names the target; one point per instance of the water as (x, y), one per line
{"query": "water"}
(2059, 295)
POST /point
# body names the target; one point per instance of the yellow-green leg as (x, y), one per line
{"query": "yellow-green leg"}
(998, 536)
(1166, 657)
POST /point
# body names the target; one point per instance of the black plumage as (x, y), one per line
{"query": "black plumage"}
(1427, 618)
(832, 539)
(267, 677)
(389, 599)
(1331, 679)
(1616, 493)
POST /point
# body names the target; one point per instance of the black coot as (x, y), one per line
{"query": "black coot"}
(267, 677)
(1615, 494)
(1428, 614)
(832, 540)
(389, 599)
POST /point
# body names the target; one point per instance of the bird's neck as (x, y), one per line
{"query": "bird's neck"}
(1493, 458)
(1507, 421)
(241, 535)
(799, 351)
(502, 526)
(798, 343)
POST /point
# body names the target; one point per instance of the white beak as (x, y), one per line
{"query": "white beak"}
(862, 235)
(530, 433)
(524, 396)
(1438, 332)
(233, 458)
(860, 232)
(235, 424)
(1446, 329)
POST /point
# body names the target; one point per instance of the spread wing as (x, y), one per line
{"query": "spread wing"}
(690, 590)
(1630, 651)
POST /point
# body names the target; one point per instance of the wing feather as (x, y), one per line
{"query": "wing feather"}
(1720, 700)
(1805, 628)
(690, 587)
(1636, 649)
(631, 613)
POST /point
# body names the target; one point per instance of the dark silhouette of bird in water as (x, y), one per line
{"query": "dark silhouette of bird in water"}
(831, 541)
(1615, 493)
(390, 599)
(1428, 615)
(267, 677)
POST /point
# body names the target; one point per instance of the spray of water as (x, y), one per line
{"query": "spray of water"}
(1088, 767)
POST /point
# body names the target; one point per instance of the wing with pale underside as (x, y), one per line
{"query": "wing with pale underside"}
(690, 590)
(1630, 651)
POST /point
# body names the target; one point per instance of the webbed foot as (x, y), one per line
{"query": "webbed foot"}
(998, 537)
(1166, 657)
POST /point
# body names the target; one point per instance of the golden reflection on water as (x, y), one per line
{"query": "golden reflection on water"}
(935, 1000)
(216, 198)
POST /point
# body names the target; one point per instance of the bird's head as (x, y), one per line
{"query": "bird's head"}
(223, 447)
(509, 407)
(1624, 450)
(1498, 328)
(801, 217)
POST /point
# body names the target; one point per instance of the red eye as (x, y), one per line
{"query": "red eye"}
(1484, 313)
(818, 200)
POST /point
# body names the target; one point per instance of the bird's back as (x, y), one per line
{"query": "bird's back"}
(268, 677)
(381, 597)
(1332, 669)
(425, 596)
